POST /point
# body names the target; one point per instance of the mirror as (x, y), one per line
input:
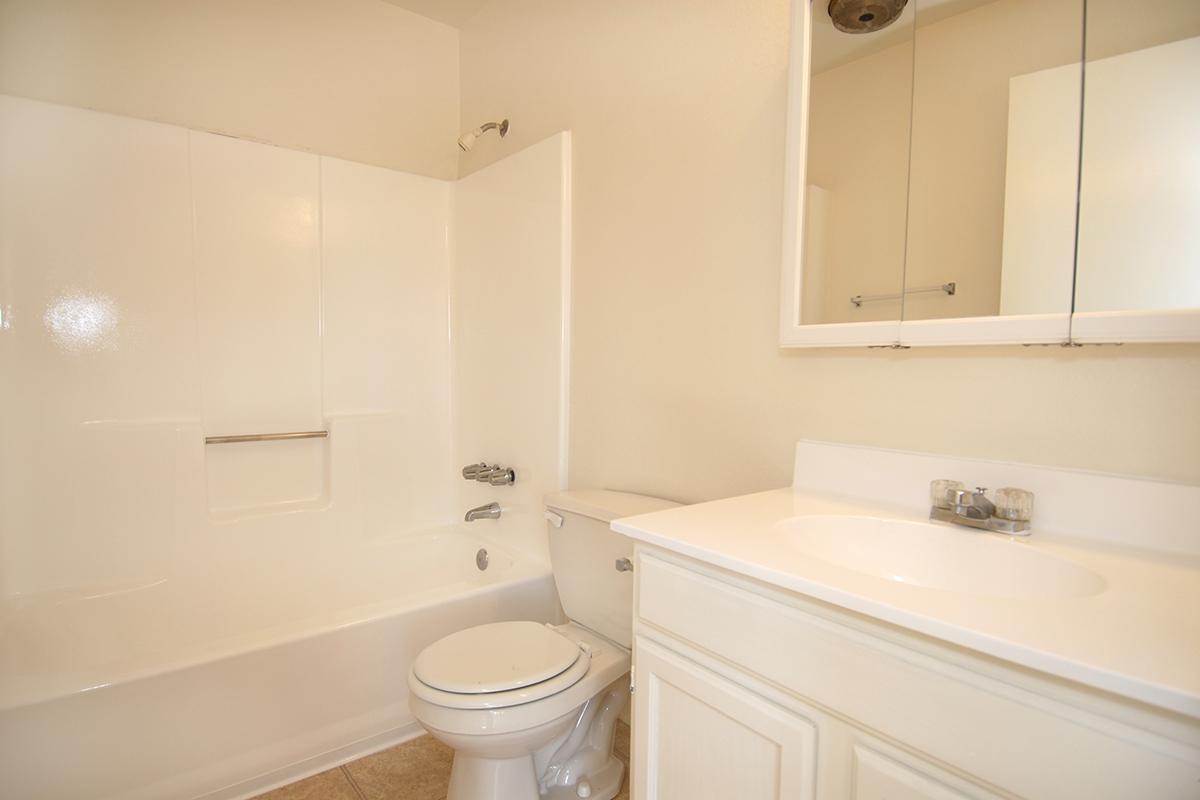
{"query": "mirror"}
(856, 189)
(994, 158)
(960, 172)
(1139, 203)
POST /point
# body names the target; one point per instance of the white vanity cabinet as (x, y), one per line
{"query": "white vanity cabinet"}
(745, 691)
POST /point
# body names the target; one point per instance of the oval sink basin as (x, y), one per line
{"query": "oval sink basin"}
(939, 557)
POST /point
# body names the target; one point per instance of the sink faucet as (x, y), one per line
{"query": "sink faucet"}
(489, 511)
(974, 505)
(1010, 513)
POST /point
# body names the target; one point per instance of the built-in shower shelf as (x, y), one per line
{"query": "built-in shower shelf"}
(267, 473)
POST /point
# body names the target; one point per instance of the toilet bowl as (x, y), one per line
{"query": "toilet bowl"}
(530, 709)
(535, 739)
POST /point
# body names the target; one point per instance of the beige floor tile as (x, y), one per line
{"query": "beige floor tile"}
(419, 769)
(621, 741)
(330, 785)
(624, 793)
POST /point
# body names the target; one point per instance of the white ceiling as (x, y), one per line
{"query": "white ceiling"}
(451, 12)
(832, 48)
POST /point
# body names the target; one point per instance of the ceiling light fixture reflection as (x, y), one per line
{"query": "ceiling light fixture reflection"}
(79, 321)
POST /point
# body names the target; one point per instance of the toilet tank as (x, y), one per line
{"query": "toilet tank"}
(584, 552)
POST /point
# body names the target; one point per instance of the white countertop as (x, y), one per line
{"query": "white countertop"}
(1138, 638)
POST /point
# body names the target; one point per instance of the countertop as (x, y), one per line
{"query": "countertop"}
(1139, 637)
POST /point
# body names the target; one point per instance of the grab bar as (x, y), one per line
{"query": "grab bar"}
(265, 437)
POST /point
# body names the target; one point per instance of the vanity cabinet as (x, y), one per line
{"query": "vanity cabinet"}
(744, 690)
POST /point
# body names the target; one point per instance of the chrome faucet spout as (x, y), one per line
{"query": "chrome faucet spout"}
(489, 511)
(974, 505)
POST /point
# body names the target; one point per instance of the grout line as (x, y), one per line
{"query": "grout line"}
(353, 784)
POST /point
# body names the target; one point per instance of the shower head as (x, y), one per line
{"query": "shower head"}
(864, 16)
(467, 140)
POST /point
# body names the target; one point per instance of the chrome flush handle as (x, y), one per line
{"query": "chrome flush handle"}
(623, 565)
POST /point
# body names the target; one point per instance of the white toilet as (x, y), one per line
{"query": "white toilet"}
(530, 709)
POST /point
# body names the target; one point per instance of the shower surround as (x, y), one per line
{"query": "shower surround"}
(160, 285)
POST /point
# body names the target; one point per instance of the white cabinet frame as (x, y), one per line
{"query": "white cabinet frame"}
(1055, 328)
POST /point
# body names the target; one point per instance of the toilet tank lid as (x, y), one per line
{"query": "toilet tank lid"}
(605, 505)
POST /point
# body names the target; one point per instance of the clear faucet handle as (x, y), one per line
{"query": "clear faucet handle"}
(941, 492)
(1014, 504)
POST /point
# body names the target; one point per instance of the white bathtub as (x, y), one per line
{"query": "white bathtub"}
(246, 673)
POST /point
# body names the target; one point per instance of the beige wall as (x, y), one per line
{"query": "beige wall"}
(357, 79)
(678, 385)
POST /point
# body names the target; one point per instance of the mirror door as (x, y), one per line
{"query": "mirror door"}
(933, 172)
(848, 168)
(994, 164)
(1138, 275)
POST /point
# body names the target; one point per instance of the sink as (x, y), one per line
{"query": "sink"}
(935, 556)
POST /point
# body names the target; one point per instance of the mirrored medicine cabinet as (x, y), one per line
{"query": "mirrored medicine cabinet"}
(992, 171)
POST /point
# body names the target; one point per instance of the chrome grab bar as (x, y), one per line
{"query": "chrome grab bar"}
(949, 288)
(265, 437)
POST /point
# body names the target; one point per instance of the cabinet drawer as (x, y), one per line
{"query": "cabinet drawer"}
(996, 731)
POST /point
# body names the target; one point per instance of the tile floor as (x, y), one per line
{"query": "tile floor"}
(419, 769)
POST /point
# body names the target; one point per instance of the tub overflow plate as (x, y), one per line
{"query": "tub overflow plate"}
(481, 559)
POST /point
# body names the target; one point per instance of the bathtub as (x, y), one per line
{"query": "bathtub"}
(241, 673)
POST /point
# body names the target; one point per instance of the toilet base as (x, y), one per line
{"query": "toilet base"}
(473, 778)
(603, 784)
(514, 779)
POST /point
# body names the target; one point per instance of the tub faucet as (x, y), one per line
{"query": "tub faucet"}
(489, 511)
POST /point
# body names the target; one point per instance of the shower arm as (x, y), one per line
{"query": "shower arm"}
(467, 140)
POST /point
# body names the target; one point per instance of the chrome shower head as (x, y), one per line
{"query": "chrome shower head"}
(864, 16)
(467, 140)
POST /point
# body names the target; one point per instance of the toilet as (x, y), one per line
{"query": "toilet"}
(530, 708)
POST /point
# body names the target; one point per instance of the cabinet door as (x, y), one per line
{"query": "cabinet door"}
(700, 735)
(902, 776)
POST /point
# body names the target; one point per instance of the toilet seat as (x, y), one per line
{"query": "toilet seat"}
(498, 665)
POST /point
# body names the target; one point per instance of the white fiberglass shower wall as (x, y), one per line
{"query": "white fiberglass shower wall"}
(164, 285)
(159, 286)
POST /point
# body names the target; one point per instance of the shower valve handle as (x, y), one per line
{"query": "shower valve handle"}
(502, 476)
(495, 475)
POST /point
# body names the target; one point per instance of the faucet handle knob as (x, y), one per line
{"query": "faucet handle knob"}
(1014, 504)
(502, 476)
(942, 492)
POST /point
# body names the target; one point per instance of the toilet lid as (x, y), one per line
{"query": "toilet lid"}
(495, 658)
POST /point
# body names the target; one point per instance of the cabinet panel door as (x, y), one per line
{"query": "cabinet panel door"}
(904, 777)
(701, 735)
